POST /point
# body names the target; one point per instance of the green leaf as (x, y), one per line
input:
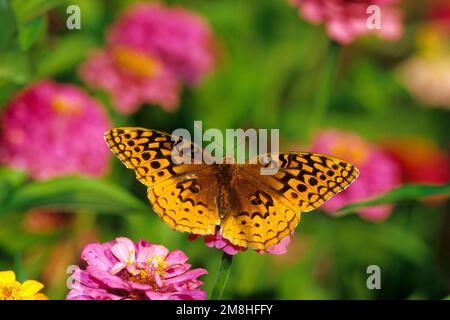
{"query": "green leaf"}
(8, 24)
(74, 193)
(68, 52)
(9, 181)
(405, 192)
(27, 10)
(14, 68)
(30, 31)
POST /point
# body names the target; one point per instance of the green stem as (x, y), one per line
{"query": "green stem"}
(222, 276)
(324, 90)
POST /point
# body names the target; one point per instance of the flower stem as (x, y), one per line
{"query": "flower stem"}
(323, 94)
(222, 276)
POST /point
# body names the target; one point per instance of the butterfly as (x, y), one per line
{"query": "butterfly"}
(249, 209)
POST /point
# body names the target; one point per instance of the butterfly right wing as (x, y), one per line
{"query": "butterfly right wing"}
(267, 208)
(183, 195)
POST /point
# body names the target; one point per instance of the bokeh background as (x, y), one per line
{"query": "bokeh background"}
(382, 104)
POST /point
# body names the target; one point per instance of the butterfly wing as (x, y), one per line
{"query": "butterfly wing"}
(181, 194)
(259, 218)
(268, 207)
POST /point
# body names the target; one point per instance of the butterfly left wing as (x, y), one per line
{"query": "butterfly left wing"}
(181, 194)
(268, 207)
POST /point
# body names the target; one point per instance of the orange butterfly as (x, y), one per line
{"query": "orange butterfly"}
(251, 210)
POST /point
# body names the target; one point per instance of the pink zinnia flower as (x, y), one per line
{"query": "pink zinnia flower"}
(378, 171)
(51, 129)
(121, 269)
(151, 50)
(345, 20)
(217, 241)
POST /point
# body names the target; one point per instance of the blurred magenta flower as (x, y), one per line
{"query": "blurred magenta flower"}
(346, 20)
(121, 269)
(51, 129)
(378, 171)
(151, 51)
(217, 241)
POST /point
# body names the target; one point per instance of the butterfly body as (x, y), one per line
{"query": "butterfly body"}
(249, 209)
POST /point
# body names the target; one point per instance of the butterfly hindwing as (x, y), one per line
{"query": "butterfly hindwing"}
(259, 217)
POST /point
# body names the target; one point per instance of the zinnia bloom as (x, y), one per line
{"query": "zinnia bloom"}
(217, 241)
(345, 20)
(121, 269)
(10, 289)
(51, 129)
(151, 51)
(378, 171)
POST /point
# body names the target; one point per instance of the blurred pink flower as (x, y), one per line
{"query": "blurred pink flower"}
(217, 241)
(51, 129)
(345, 20)
(128, 89)
(151, 50)
(378, 171)
(123, 270)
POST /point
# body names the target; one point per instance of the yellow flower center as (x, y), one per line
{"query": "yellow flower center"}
(356, 153)
(139, 64)
(161, 264)
(142, 277)
(10, 291)
(66, 106)
(146, 277)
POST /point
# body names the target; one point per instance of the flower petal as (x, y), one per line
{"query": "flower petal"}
(144, 253)
(119, 266)
(39, 296)
(190, 275)
(176, 257)
(158, 250)
(122, 252)
(30, 288)
(94, 255)
(7, 276)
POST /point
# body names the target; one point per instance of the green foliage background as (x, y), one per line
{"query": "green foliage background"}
(271, 71)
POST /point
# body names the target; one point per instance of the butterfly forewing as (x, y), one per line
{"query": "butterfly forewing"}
(306, 179)
(179, 193)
